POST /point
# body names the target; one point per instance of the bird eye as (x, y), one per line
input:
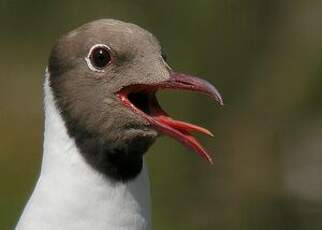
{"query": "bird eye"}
(99, 57)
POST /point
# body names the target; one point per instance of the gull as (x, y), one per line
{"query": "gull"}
(101, 116)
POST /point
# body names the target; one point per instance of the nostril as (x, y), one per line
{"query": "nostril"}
(186, 83)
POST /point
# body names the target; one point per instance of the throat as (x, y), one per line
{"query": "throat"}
(121, 160)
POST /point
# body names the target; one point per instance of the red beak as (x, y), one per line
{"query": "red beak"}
(142, 100)
(187, 82)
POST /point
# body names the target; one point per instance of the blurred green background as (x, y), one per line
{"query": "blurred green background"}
(266, 59)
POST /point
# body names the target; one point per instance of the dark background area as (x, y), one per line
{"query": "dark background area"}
(266, 59)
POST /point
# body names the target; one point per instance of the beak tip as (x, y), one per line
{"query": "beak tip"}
(214, 93)
(220, 100)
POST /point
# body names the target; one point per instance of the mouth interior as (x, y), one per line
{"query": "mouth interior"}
(142, 100)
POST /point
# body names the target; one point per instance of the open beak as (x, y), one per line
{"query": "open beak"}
(141, 99)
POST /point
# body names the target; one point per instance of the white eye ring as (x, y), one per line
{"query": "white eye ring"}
(88, 58)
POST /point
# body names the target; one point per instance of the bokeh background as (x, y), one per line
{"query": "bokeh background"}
(266, 59)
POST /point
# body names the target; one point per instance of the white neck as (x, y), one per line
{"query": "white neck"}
(70, 194)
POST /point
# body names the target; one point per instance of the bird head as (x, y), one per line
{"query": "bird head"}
(104, 77)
